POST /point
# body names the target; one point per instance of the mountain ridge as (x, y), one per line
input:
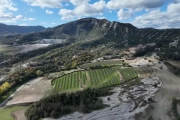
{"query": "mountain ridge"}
(92, 29)
(15, 29)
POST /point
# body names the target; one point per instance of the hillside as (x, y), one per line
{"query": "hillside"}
(93, 32)
(92, 29)
(95, 54)
(14, 29)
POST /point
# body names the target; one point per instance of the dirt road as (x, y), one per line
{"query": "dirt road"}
(169, 89)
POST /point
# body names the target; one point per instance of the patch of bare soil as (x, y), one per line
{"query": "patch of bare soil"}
(88, 77)
(121, 78)
(32, 91)
(19, 115)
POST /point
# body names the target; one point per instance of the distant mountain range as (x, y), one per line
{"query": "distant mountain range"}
(14, 29)
(98, 30)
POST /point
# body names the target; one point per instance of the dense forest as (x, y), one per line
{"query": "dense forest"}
(57, 105)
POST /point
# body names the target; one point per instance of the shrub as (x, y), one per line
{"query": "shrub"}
(174, 108)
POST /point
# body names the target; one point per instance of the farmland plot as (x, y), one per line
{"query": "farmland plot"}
(31, 92)
(103, 77)
(96, 78)
(75, 80)
(126, 73)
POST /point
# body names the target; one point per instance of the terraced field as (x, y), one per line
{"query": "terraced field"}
(103, 63)
(73, 80)
(97, 78)
(103, 77)
(127, 74)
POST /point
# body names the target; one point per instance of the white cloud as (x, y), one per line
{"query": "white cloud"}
(23, 24)
(120, 4)
(82, 10)
(7, 5)
(79, 2)
(6, 15)
(123, 15)
(9, 18)
(45, 3)
(67, 14)
(101, 17)
(6, 8)
(53, 23)
(159, 19)
(49, 12)
(31, 19)
(19, 17)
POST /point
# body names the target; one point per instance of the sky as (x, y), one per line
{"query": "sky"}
(160, 14)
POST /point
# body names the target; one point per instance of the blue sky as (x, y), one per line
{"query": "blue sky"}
(49, 13)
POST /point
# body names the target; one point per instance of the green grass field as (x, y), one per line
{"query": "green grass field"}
(97, 78)
(7, 49)
(127, 74)
(5, 114)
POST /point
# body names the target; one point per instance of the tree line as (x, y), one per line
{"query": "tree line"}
(57, 105)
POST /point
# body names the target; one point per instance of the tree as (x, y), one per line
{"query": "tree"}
(1, 90)
(83, 108)
(46, 114)
(4, 87)
(39, 73)
(54, 114)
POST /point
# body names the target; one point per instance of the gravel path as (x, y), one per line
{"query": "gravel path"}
(169, 89)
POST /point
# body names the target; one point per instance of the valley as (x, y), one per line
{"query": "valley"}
(90, 69)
